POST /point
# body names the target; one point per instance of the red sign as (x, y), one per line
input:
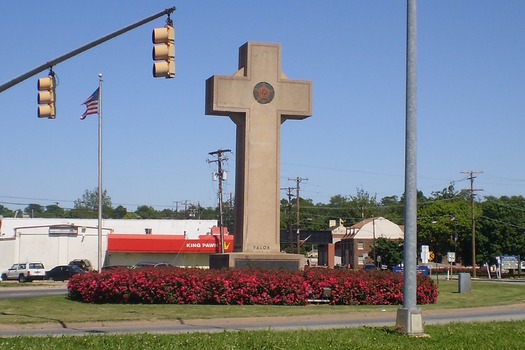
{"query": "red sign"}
(140, 243)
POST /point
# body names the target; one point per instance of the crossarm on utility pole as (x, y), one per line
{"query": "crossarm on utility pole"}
(86, 47)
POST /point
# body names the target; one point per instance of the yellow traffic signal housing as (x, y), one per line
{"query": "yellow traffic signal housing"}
(164, 52)
(46, 97)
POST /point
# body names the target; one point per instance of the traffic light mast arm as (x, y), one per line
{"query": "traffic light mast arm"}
(86, 47)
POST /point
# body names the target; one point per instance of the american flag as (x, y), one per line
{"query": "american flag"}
(91, 104)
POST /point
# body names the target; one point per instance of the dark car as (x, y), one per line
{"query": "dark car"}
(84, 264)
(144, 264)
(370, 267)
(114, 267)
(63, 272)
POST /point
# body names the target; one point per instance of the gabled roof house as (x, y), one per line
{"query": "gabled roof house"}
(352, 245)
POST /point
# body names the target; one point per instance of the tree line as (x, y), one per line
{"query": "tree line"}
(444, 218)
(86, 207)
(444, 221)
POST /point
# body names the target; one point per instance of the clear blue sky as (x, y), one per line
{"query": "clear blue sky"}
(471, 103)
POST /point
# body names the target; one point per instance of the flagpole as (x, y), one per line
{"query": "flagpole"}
(99, 252)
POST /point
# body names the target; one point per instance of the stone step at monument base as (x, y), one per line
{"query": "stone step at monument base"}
(268, 261)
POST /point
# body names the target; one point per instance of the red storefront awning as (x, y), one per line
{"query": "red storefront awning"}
(140, 243)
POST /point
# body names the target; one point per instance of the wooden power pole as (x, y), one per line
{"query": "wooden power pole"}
(473, 191)
(298, 221)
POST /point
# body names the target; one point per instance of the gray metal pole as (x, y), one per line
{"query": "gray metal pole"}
(99, 236)
(86, 47)
(410, 246)
(409, 320)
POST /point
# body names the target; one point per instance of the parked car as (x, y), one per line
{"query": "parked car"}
(84, 264)
(25, 272)
(114, 267)
(63, 272)
(370, 267)
(144, 264)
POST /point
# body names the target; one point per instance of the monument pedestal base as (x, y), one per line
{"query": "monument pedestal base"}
(410, 322)
(257, 261)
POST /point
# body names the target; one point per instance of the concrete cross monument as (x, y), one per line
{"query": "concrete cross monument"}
(258, 98)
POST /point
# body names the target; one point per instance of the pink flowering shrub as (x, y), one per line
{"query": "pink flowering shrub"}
(245, 287)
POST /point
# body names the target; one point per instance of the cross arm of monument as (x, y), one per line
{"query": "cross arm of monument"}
(259, 85)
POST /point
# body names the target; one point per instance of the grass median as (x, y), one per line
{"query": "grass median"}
(503, 335)
(53, 309)
(495, 335)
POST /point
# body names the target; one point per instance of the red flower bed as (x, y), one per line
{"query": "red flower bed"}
(245, 287)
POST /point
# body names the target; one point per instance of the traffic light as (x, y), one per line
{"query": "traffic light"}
(46, 97)
(164, 52)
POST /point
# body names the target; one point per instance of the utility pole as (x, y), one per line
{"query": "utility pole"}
(298, 221)
(472, 191)
(185, 202)
(220, 177)
(374, 239)
(290, 224)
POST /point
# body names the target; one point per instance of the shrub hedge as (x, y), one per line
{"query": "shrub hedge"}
(245, 287)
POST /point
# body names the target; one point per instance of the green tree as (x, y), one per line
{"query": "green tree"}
(500, 229)
(444, 224)
(54, 211)
(34, 210)
(87, 205)
(167, 213)
(448, 193)
(119, 212)
(338, 201)
(147, 212)
(131, 216)
(351, 209)
(89, 200)
(6, 211)
(393, 209)
(286, 217)
(363, 205)
(390, 251)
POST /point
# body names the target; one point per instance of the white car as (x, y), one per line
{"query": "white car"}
(25, 272)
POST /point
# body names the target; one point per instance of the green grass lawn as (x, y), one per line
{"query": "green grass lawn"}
(60, 309)
(500, 335)
(503, 335)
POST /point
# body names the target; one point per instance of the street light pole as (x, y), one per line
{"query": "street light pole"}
(409, 319)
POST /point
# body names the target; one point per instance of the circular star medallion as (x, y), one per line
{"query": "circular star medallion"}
(263, 93)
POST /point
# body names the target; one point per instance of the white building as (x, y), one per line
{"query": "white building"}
(58, 241)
